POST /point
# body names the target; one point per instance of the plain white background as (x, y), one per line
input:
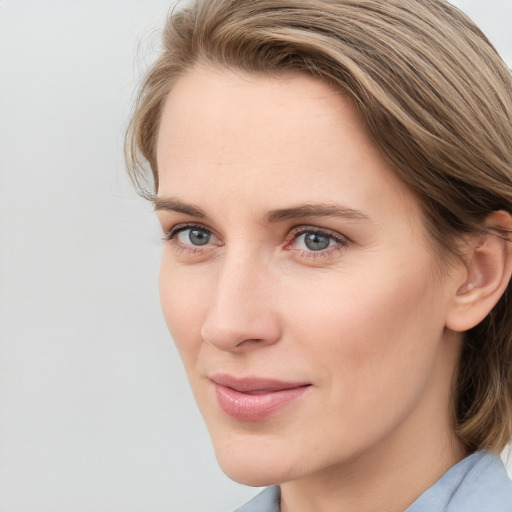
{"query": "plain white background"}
(95, 411)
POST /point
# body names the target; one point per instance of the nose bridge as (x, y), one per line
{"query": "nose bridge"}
(241, 308)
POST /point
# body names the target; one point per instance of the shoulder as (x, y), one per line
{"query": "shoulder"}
(485, 488)
(479, 483)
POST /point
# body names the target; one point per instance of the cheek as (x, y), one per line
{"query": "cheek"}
(378, 327)
(184, 300)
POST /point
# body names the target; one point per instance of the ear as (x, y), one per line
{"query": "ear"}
(488, 273)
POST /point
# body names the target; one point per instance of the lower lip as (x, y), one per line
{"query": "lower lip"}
(246, 407)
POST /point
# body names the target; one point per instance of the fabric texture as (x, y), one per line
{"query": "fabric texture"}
(478, 483)
(265, 501)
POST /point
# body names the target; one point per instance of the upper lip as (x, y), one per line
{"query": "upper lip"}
(246, 384)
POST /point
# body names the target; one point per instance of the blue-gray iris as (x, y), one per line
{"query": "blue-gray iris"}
(316, 242)
(198, 237)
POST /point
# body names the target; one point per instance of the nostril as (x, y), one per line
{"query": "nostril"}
(235, 337)
(240, 320)
(250, 341)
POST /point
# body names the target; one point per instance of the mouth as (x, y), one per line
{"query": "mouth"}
(255, 399)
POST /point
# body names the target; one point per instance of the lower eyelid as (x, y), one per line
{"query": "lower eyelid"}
(329, 253)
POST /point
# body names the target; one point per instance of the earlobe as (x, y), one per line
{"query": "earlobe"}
(489, 267)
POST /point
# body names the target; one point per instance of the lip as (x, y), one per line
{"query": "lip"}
(254, 398)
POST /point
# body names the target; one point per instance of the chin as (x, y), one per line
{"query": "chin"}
(251, 473)
(255, 462)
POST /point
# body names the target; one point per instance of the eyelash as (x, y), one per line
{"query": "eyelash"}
(341, 241)
(170, 236)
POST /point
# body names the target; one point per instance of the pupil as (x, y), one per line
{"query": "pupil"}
(197, 237)
(316, 242)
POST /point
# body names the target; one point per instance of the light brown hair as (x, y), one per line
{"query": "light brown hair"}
(437, 99)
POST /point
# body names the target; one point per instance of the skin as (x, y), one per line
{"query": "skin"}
(363, 321)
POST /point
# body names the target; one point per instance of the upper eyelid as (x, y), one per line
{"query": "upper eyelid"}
(299, 230)
(188, 225)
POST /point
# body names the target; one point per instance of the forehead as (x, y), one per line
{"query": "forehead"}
(292, 138)
(230, 111)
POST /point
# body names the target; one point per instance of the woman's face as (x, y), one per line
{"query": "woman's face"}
(296, 279)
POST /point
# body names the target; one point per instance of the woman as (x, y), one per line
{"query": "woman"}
(334, 183)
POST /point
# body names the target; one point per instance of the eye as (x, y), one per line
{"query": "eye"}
(316, 242)
(193, 237)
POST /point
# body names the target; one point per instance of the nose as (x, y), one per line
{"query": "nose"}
(242, 314)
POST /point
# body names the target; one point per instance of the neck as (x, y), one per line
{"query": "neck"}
(383, 479)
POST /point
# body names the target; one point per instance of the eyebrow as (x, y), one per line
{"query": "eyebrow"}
(278, 215)
(314, 210)
(174, 205)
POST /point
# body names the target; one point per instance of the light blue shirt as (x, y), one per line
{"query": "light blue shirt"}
(478, 483)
